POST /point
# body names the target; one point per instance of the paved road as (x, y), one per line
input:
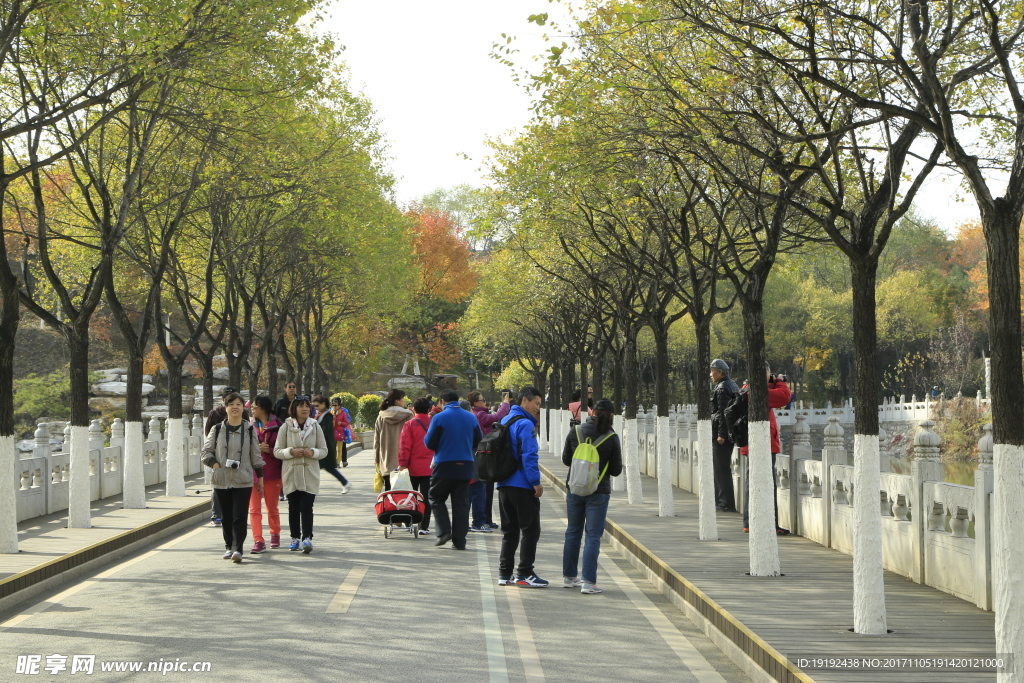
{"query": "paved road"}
(361, 608)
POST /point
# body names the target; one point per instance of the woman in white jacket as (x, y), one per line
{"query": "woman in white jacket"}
(300, 443)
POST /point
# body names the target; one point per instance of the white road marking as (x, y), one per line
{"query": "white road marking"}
(347, 591)
(56, 599)
(524, 635)
(497, 667)
(691, 658)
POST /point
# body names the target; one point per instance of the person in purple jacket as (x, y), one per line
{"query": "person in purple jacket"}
(481, 494)
(519, 496)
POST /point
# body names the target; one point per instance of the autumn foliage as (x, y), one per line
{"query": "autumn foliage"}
(442, 256)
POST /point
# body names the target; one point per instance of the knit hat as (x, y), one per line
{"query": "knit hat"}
(719, 364)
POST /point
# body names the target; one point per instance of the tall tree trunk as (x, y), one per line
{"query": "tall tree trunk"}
(174, 430)
(764, 547)
(707, 520)
(598, 379)
(617, 376)
(79, 487)
(634, 486)
(133, 485)
(1002, 239)
(10, 317)
(666, 502)
(868, 585)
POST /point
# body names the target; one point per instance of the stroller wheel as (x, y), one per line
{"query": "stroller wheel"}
(387, 531)
(415, 530)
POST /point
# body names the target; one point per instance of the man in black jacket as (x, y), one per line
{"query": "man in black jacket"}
(724, 392)
(284, 403)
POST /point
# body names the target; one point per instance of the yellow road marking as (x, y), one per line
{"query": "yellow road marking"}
(347, 591)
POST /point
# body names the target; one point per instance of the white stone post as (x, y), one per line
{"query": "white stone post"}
(666, 505)
(833, 453)
(97, 439)
(79, 486)
(197, 425)
(764, 545)
(703, 451)
(542, 441)
(983, 484)
(9, 484)
(175, 457)
(1008, 554)
(926, 466)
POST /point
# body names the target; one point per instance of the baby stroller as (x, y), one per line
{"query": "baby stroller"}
(400, 507)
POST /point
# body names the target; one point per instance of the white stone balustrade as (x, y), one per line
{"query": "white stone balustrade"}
(42, 475)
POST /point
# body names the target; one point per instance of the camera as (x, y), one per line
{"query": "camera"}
(780, 378)
(233, 464)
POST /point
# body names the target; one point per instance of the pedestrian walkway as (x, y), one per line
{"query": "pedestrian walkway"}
(48, 550)
(808, 612)
(362, 607)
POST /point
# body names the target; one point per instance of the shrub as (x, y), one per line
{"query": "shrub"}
(369, 406)
(348, 401)
(45, 396)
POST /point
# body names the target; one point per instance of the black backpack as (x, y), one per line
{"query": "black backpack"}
(736, 418)
(495, 457)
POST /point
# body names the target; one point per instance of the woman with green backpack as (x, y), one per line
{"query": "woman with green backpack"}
(594, 455)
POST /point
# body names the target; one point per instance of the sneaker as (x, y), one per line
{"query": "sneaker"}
(345, 488)
(228, 553)
(275, 540)
(258, 547)
(531, 581)
(215, 521)
(281, 497)
(294, 544)
(746, 529)
(782, 532)
(307, 545)
(426, 532)
(505, 581)
(493, 525)
(482, 528)
(590, 588)
(236, 557)
(569, 582)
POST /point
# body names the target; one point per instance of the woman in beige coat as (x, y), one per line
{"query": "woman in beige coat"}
(300, 443)
(387, 432)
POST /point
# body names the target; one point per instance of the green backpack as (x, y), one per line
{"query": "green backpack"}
(583, 473)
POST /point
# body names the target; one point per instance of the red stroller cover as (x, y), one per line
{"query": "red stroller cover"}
(400, 502)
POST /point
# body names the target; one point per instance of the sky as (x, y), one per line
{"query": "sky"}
(427, 69)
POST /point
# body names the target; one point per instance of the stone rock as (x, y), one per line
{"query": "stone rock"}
(107, 404)
(118, 389)
(26, 446)
(221, 373)
(281, 373)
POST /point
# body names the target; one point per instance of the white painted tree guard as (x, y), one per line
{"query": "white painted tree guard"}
(634, 488)
(175, 457)
(666, 505)
(134, 484)
(764, 544)
(708, 521)
(1008, 555)
(619, 482)
(79, 485)
(8, 497)
(868, 583)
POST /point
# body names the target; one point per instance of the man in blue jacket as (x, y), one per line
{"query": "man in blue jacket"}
(519, 496)
(453, 436)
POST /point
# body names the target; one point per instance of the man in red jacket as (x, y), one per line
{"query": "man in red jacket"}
(778, 397)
